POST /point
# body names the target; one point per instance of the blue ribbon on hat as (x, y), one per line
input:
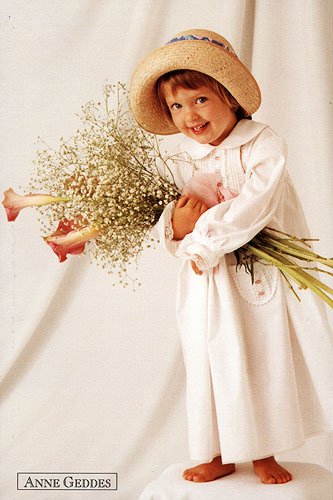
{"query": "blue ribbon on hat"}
(202, 38)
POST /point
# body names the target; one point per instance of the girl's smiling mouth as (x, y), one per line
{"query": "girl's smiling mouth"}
(199, 128)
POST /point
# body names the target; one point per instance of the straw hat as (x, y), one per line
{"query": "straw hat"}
(196, 49)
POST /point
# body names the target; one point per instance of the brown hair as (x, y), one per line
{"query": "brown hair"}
(190, 79)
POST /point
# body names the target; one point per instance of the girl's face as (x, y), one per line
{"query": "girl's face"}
(199, 113)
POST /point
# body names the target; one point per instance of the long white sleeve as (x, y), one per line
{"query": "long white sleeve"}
(229, 225)
(162, 231)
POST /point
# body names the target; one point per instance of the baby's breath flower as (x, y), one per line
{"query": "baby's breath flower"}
(115, 178)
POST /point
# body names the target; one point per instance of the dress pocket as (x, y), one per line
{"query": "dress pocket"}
(264, 286)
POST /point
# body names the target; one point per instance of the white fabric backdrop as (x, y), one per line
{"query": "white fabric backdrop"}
(92, 375)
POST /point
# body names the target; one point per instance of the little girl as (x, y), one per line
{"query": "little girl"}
(254, 385)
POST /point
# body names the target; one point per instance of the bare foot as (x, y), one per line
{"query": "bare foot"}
(270, 472)
(208, 472)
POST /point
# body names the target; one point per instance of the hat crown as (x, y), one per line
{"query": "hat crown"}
(202, 33)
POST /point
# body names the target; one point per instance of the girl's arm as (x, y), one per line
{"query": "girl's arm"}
(231, 224)
(177, 220)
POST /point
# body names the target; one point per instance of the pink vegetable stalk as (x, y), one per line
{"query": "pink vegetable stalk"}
(68, 239)
(14, 202)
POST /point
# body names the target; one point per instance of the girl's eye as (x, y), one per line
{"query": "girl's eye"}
(175, 106)
(201, 100)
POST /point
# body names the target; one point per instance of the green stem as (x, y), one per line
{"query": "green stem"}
(290, 236)
(290, 285)
(318, 270)
(288, 242)
(297, 252)
(301, 277)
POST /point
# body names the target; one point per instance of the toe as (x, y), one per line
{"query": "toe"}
(269, 480)
(198, 478)
(286, 476)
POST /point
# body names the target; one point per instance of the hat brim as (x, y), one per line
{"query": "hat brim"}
(203, 56)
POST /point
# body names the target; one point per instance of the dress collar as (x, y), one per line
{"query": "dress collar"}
(243, 132)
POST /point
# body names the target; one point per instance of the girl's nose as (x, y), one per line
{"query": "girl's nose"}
(191, 115)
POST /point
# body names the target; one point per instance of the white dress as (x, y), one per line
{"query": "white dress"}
(258, 362)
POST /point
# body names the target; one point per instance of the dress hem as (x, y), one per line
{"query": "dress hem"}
(266, 455)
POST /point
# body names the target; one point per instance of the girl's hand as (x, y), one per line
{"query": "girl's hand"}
(187, 211)
(195, 268)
